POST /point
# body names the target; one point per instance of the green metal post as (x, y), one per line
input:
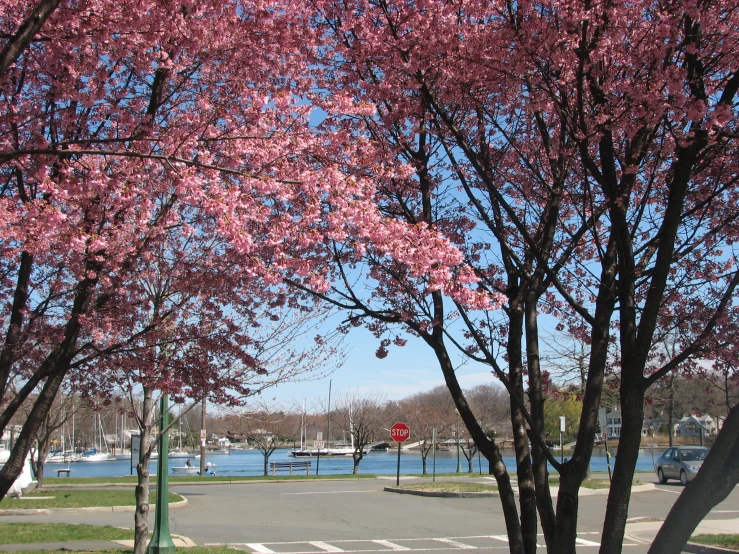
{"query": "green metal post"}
(161, 540)
(459, 460)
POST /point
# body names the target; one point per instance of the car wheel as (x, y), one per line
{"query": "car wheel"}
(683, 477)
(661, 476)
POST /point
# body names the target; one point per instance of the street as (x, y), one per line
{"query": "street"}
(312, 517)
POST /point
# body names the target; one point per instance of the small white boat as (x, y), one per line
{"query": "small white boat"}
(61, 457)
(185, 470)
(336, 450)
(194, 470)
(96, 457)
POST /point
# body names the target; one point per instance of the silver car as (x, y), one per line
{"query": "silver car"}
(680, 462)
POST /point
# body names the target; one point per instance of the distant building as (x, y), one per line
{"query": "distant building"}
(613, 425)
(694, 426)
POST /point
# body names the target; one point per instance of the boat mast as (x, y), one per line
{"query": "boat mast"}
(328, 433)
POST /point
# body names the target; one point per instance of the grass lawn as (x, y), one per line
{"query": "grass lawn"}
(23, 533)
(591, 483)
(77, 499)
(450, 486)
(429, 476)
(723, 541)
(126, 480)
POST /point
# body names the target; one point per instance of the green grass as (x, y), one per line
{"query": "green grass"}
(78, 499)
(450, 486)
(23, 533)
(591, 483)
(429, 475)
(722, 541)
(125, 480)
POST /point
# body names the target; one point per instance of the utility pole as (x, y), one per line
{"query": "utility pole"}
(161, 540)
(202, 435)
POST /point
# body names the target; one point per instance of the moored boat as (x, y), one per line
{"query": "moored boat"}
(185, 470)
(94, 456)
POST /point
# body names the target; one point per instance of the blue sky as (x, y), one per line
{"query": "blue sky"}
(406, 370)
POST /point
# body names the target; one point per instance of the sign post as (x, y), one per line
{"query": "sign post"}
(561, 446)
(135, 451)
(603, 421)
(400, 433)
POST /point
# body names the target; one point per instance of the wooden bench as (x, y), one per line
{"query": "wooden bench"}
(290, 466)
(59, 472)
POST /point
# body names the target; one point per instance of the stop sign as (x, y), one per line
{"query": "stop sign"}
(400, 432)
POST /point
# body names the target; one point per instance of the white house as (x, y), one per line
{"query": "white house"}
(613, 424)
(694, 426)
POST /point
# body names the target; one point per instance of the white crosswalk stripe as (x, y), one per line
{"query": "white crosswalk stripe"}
(325, 546)
(456, 544)
(376, 546)
(391, 545)
(256, 547)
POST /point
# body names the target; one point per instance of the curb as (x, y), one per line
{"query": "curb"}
(91, 510)
(417, 492)
(696, 548)
(62, 486)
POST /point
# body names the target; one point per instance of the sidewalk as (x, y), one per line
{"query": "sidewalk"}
(88, 546)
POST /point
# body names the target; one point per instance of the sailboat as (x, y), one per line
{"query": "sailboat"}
(178, 452)
(93, 455)
(337, 449)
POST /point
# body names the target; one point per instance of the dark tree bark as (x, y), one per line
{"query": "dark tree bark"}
(25, 34)
(717, 477)
(141, 515)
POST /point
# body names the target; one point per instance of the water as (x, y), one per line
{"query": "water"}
(251, 462)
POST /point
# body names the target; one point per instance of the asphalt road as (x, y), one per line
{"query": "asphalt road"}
(314, 517)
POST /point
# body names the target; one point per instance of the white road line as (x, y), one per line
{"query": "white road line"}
(503, 538)
(668, 490)
(723, 512)
(583, 542)
(325, 546)
(391, 545)
(322, 492)
(456, 544)
(257, 547)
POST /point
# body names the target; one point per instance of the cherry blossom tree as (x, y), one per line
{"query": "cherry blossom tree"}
(119, 124)
(582, 156)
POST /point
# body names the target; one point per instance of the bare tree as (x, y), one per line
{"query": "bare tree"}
(265, 426)
(425, 412)
(361, 415)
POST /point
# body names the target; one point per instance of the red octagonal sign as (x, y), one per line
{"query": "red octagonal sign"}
(400, 432)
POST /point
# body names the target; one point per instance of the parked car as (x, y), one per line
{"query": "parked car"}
(680, 462)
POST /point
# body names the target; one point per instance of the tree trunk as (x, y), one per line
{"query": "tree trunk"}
(42, 453)
(358, 457)
(524, 471)
(507, 501)
(488, 448)
(565, 532)
(13, 467)
(671, 410)
(141, 516)
(15, 323)
(717, 477)
(536, 400)
(617, 509)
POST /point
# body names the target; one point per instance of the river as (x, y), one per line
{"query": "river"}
(251, 462)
